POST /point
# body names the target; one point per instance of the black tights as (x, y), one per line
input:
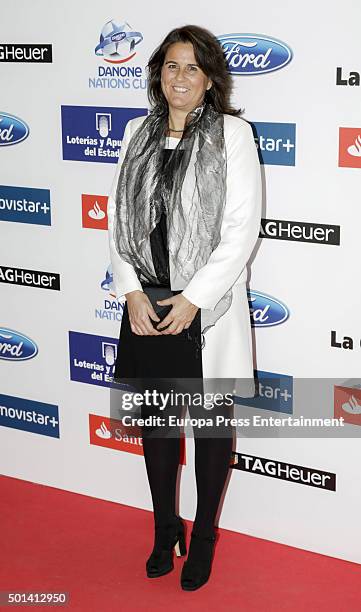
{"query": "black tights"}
(212, 460)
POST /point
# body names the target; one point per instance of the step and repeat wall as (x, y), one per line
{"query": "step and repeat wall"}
(72, 75)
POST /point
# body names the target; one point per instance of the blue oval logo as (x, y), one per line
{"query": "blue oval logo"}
(14, 346)
(254, 54)
(265, 310)
(12, 130)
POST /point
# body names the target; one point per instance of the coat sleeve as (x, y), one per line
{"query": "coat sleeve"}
(240, 223)
(125, 278)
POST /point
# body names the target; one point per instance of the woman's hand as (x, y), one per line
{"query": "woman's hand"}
(181, 315)
(139, 310)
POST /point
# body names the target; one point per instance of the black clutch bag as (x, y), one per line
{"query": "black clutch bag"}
(155, 293)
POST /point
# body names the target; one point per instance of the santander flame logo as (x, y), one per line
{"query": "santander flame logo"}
(96, 212)
(103, 432)
(355, 149)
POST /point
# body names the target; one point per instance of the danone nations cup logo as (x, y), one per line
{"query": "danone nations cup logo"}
(118, 45)
(117, 42)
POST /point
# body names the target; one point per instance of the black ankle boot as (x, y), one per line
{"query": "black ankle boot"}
(167, 537)
(196, 570)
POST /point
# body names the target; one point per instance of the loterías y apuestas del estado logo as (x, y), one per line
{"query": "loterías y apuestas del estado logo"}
(117, 54)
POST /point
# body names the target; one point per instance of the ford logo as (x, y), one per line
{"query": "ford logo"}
(12, 130)
(254, 54)
(266, 310)
(15, 346)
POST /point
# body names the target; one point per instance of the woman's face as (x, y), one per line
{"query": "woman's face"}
(183, 81)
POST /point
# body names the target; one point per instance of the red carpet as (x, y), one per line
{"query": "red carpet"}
(55, 541)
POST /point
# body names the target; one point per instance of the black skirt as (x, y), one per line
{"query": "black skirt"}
(170, 356)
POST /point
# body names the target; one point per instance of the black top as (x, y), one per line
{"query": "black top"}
(159, 246)
(159, 241)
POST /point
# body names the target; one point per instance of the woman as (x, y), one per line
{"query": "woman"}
(184, 215)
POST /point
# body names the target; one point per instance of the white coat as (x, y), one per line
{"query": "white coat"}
(227, 353)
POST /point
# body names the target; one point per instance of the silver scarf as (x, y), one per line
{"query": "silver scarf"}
(193, 190)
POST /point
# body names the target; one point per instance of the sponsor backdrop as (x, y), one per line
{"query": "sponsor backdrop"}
(65, 101)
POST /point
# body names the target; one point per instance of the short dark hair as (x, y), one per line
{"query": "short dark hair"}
(209, 55)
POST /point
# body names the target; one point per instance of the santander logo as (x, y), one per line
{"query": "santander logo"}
(94, 211)
(111, 433)
(103, 432)
(355, 148)
(347, 402)
(349, 152)
(352, 405)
